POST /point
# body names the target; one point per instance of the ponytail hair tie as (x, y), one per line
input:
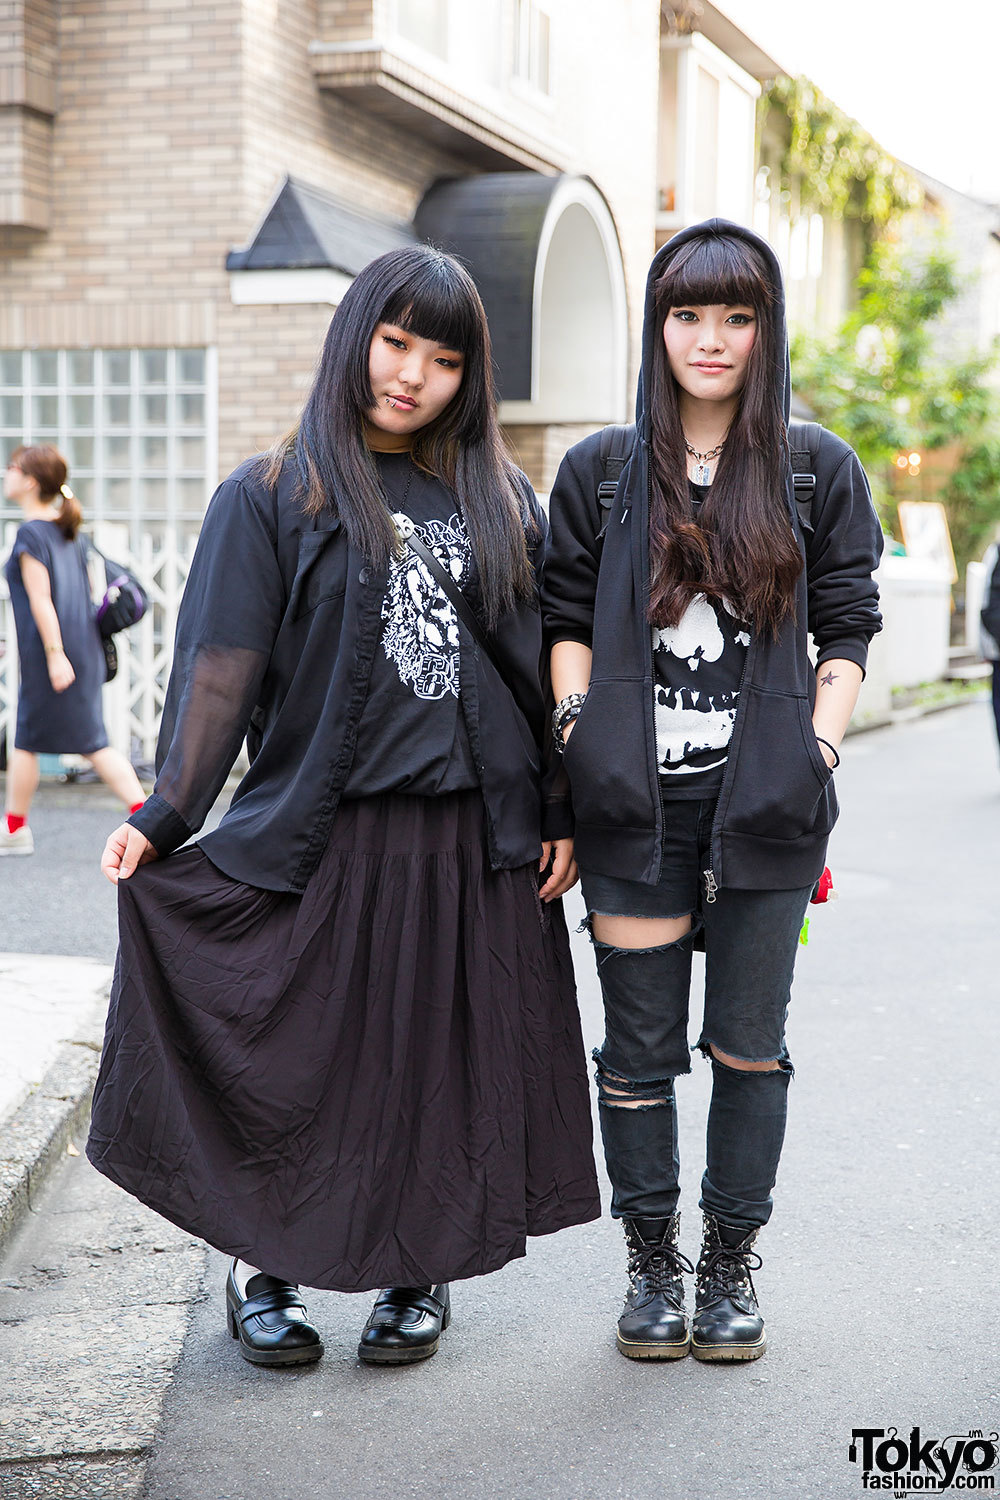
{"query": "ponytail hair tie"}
(66, 492)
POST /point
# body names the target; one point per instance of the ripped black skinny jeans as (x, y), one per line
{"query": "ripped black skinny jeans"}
(750, 940)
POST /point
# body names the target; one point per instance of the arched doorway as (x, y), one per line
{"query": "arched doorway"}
(545, 255)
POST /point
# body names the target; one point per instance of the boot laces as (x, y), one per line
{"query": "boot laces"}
(726, 1269)
(659, 1266)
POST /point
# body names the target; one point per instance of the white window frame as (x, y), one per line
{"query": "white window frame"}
(442, 56)
(528, 16)
(696, 54)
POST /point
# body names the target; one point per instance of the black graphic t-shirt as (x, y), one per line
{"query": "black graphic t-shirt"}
(412, 736)
(697, 670)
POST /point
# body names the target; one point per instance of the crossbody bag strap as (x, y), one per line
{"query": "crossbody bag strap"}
(94, 570)
(452, 592)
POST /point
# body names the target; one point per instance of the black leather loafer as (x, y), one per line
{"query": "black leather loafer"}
(405, 1325)
(271, 1322)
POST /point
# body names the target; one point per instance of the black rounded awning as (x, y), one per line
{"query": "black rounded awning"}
(545, 256)
(493, 223)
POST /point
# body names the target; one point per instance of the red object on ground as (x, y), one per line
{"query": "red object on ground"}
(824, 886)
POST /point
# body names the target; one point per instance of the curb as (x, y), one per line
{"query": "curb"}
(38, 1132)
(913, 711)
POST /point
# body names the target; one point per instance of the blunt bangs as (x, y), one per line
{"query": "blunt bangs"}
(715, 270)
(438, 301)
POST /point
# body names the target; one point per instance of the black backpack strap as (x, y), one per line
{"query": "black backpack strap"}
(803, 438)
(616, 448)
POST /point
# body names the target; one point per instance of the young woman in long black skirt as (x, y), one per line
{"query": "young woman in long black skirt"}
(700, 743)
(343, 1044)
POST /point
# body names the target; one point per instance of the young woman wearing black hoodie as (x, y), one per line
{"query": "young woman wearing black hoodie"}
(700, 741)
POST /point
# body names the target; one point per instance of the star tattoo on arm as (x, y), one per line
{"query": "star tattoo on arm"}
(830, 678)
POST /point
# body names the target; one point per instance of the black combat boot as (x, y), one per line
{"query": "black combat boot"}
(727, 1321)
(654, 1324)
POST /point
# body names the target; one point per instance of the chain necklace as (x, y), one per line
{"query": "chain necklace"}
(410, 470)
(702, 473)
(399, 504)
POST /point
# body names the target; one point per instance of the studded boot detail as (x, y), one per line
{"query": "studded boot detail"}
(727, 1321)
(654, 1323)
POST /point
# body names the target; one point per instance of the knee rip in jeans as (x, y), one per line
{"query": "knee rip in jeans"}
(629, 1093)
(604, 951)
(715, 1054)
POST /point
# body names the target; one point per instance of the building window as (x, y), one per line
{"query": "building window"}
(137, 428)
(706, 134)
(425, 23)
(531, 45)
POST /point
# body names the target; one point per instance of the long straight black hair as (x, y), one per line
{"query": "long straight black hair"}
(429, 294)
(742, 546)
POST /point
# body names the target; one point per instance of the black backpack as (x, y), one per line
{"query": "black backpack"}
(616, 448)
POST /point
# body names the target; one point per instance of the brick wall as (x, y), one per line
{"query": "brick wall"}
(28, 61)
(349, 20)
(176, 121)
(146, 153)
(267, 354)
(539, 450)
(266, 360)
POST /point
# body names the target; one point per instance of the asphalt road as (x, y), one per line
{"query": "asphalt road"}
(880, 1262)
(56, 900)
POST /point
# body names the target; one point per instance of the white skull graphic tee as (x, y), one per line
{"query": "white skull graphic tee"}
(697, 669)
(412, 735)
(421, 627)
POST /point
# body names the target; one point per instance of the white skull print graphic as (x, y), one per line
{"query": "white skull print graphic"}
(421, 629)
(698, 664)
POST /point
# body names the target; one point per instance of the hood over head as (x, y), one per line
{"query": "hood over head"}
(661, 260)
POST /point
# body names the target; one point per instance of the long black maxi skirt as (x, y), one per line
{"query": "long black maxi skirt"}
(380, 1082)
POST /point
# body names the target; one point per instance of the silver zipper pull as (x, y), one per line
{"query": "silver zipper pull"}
(624, 514)
(710, 886)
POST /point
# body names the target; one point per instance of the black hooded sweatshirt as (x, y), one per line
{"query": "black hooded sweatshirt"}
(777, 803)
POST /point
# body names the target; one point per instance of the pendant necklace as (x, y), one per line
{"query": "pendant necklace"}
(702, 473)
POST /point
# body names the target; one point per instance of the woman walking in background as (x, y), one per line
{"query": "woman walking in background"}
(343, 1044)
(700, 743)
(59, 645)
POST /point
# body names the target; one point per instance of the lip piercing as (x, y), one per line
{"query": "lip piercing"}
(390, 401)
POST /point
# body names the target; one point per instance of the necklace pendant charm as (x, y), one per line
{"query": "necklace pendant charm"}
(701, 474)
